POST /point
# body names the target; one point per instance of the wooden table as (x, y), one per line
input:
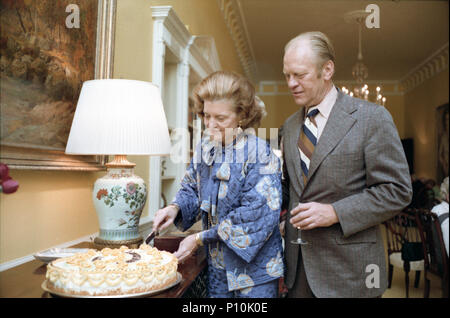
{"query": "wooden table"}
(24, 281)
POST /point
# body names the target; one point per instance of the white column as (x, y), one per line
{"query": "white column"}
(159, 51)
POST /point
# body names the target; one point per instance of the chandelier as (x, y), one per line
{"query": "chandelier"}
(360, 71)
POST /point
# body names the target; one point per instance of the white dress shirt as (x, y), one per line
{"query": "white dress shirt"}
(324, 108)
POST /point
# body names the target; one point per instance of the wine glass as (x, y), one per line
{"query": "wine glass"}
(299, 239)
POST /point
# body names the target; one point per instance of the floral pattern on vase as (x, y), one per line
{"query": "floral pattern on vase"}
(119, 202)
(132, 195)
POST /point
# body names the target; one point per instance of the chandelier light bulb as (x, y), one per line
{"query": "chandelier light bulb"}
(360, 71)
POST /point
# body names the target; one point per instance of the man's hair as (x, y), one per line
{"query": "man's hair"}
(320, 44)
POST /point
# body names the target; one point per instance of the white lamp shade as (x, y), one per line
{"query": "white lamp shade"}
(119, 117)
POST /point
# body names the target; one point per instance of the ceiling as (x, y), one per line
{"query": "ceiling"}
(410, 32)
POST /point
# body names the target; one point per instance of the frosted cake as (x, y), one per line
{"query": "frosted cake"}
(111, 272)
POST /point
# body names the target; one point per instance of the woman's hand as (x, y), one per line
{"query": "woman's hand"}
(186, 248)
(164, 217)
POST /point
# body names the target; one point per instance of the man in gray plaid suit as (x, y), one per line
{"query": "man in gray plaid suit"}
(346, 172)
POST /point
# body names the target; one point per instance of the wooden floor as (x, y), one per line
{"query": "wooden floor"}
(397, 289)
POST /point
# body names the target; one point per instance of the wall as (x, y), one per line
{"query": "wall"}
(420, 119)
(54, 207)
(396, 106)
(49, 208)
(278, 108)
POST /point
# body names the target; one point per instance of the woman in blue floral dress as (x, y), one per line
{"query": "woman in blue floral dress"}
(233, 184)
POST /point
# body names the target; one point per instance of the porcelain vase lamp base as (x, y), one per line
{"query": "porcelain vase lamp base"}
(119, 198)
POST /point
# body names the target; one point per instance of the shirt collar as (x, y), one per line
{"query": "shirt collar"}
(327, 103)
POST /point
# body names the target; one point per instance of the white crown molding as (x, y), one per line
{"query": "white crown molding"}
(233, 15)
(174, 29)
(195, 50)
(431, 66)
(247, 34)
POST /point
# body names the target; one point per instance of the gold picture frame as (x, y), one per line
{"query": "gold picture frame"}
(39, 157)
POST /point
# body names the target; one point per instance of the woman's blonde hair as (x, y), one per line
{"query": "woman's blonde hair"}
(222, 85)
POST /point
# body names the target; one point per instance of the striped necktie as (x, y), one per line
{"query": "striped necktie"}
(307, 142)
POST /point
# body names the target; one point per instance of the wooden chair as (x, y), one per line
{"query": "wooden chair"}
(404, 247)
(433, 243)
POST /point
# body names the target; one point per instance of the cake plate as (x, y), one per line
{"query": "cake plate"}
(54, 253)
(148, 293)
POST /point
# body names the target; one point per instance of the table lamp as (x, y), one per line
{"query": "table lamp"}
(119, 117)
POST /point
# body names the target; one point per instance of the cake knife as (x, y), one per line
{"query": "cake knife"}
(151, 236)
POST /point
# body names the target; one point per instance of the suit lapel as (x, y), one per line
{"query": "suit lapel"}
(338, 124)
(292, 147)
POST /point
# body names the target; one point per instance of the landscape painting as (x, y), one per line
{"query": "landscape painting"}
(48, 49)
